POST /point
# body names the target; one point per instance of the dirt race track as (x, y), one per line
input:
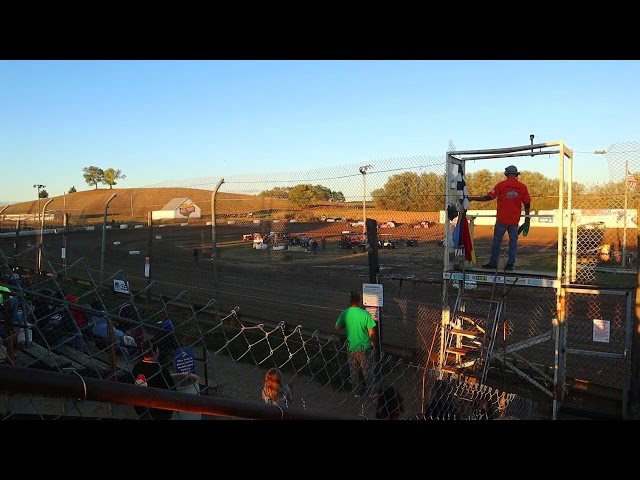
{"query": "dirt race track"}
(298, 288)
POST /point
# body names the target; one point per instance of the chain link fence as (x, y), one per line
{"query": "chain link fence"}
(228, 358)
(265, 268)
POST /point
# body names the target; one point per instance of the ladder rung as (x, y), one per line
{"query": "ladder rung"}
(482, 298)
(450, 369)
(462, 350)
(465, 333)
(459, 371)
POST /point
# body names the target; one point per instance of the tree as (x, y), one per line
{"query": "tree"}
(93, 175)
(337, 197)
(44, 194)
(109, 177)
(72, 190)
(303, 195)
(410, 192)
(317, 193)
(277, 192)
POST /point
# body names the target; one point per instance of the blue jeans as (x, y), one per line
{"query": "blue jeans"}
(498, 233)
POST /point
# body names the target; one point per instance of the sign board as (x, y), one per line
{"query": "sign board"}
(146, 267)
(120, 286)
(372, 295)
(601, 330)
(185, 361)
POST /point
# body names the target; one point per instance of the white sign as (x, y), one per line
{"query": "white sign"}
(372, 295)
(147, 266)
(120, 286)
(375, 313)
(601, 330)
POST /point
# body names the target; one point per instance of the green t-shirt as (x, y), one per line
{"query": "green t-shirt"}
(357, 321)
(3, 296)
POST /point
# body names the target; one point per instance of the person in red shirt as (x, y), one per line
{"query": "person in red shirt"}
(511, 194)
(77, 314)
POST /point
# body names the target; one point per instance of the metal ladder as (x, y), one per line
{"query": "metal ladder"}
(468, 338)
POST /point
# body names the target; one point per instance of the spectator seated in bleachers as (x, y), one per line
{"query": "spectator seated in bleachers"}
(100, 331)
(55, 325)
(132, 325)
(78, 315)
(167, 342)
(10, 303)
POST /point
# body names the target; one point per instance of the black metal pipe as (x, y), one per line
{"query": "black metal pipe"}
(23, 380)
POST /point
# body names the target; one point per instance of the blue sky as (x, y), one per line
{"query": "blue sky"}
(166, 120)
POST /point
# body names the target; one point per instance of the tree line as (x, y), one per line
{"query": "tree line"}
(412, 192)
(304, 195)
(93, 176)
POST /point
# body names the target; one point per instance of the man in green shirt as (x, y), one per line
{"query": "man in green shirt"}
(361, 333)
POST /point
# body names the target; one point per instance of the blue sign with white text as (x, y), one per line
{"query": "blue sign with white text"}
(185, 361)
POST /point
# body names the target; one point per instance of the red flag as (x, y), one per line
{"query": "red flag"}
(465, 238)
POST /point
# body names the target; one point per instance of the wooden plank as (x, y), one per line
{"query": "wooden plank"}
(22, 359)
(47, 357)
(86, 361)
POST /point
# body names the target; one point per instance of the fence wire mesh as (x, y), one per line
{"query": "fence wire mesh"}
(230, 358)
(266, 270)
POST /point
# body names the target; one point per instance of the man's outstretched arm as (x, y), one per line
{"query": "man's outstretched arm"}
(482, 198)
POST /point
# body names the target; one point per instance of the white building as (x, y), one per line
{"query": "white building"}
(179, 208)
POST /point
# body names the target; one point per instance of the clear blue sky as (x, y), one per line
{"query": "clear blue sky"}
(162, 121)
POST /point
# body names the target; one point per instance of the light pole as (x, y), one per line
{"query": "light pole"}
(42, 217)
(38, 186)
(64, 234)
(363, 171)
(104, 238)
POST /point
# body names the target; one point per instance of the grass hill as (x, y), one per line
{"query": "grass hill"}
(134, 204)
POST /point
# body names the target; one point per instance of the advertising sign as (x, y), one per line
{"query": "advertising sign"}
(120, 286)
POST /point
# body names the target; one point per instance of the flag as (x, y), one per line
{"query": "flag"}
(461, 187)
(465, 240)
(462, 239)
(631, 181)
